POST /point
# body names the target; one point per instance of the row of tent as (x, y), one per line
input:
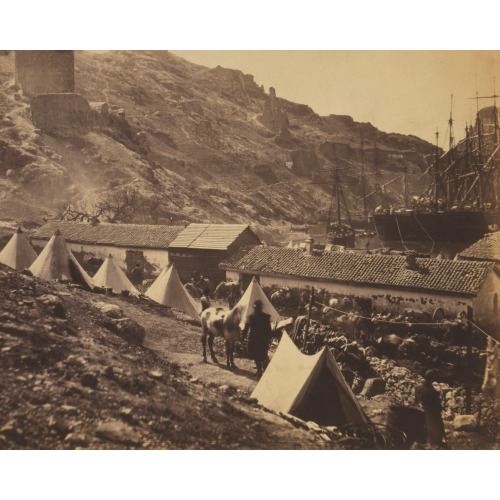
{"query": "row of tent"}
(57, 262)
(309, 387)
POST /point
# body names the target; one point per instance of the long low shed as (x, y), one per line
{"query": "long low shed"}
(392, 282)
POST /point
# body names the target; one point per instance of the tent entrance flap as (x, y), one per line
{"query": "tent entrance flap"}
(323, 403)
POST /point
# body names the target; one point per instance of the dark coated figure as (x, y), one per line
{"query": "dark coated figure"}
(258, 325)
(429, 399)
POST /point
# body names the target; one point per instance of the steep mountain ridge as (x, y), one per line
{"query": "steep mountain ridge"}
(193, 144)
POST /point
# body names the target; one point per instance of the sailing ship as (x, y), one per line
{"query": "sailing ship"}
(463, 201)
(339, 232)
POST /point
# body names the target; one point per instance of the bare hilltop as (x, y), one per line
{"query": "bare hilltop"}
(175, 142)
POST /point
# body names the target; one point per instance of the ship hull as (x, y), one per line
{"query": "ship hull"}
(463, 226)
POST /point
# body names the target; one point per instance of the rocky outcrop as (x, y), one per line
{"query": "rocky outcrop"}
(273, 117)
(305, 162)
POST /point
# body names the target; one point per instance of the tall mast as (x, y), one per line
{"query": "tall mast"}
(337, 188)
(436, 172)
(467, 158)
(450, 123)
(406, 187)
(363, 177)
(331, 206)
(450, 159)
(479, 151)
(495, 111)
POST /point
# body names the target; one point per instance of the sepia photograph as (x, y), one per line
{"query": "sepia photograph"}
(249, 249)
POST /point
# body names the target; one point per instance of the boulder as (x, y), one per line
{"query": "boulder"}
(77, 438)
(109, 310)
(465, 423)
(373, 387)
(54, 305)
(127, 329)
(89, 380)
(118, 432)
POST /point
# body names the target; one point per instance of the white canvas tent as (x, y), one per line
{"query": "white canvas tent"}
(111, 275)
(309, 387)
(252, 293)
(18, 253)
(57, 262)
(168, 290)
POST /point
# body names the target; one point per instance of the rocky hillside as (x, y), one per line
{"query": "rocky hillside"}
(71, 380)
(184, 143)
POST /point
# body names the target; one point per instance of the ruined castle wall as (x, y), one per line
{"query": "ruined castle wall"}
(62, 114)
(45, 71)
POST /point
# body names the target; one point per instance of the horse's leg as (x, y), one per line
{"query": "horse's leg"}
(204, 344)
(211, 347)
(231, 347)
(228, 353)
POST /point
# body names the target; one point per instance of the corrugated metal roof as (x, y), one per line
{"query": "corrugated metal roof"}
(437, 275)
(487, 248)
(121, 235)
(208, 236)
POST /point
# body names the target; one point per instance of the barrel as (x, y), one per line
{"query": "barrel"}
(409, 420)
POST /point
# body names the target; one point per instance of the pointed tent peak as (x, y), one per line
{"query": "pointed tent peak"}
(18, 253)
(19, 230)
(56, 261)
(252, 293)
(57, 232)
(168, 290)
(111, 275)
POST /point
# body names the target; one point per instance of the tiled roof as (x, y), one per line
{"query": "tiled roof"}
(457, 277)
(487, 248)
(208, 236)
(120, 235)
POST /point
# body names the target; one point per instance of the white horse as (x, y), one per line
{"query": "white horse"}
(217, 322)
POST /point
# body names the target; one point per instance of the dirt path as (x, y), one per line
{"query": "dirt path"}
(176, 338)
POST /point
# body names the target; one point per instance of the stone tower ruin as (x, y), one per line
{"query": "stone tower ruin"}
(45, 71)
(273, 117)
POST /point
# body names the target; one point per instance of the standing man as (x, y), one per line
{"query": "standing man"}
(429, 399)
(205, 300)
(232, 299)
(137, 274)
(259, 325)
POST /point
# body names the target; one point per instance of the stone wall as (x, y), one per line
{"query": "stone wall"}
(45, 71)
(61, 114)
(69, 114)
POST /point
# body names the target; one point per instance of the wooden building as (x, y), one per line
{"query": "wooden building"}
(200, 248)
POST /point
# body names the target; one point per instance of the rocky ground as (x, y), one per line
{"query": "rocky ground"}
(69, 382)
(75, 376)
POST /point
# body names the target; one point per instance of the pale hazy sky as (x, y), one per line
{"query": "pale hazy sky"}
(397, 91)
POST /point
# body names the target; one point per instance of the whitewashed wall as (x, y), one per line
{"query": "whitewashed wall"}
(485, 313)
(157, 258)
(384, 299)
